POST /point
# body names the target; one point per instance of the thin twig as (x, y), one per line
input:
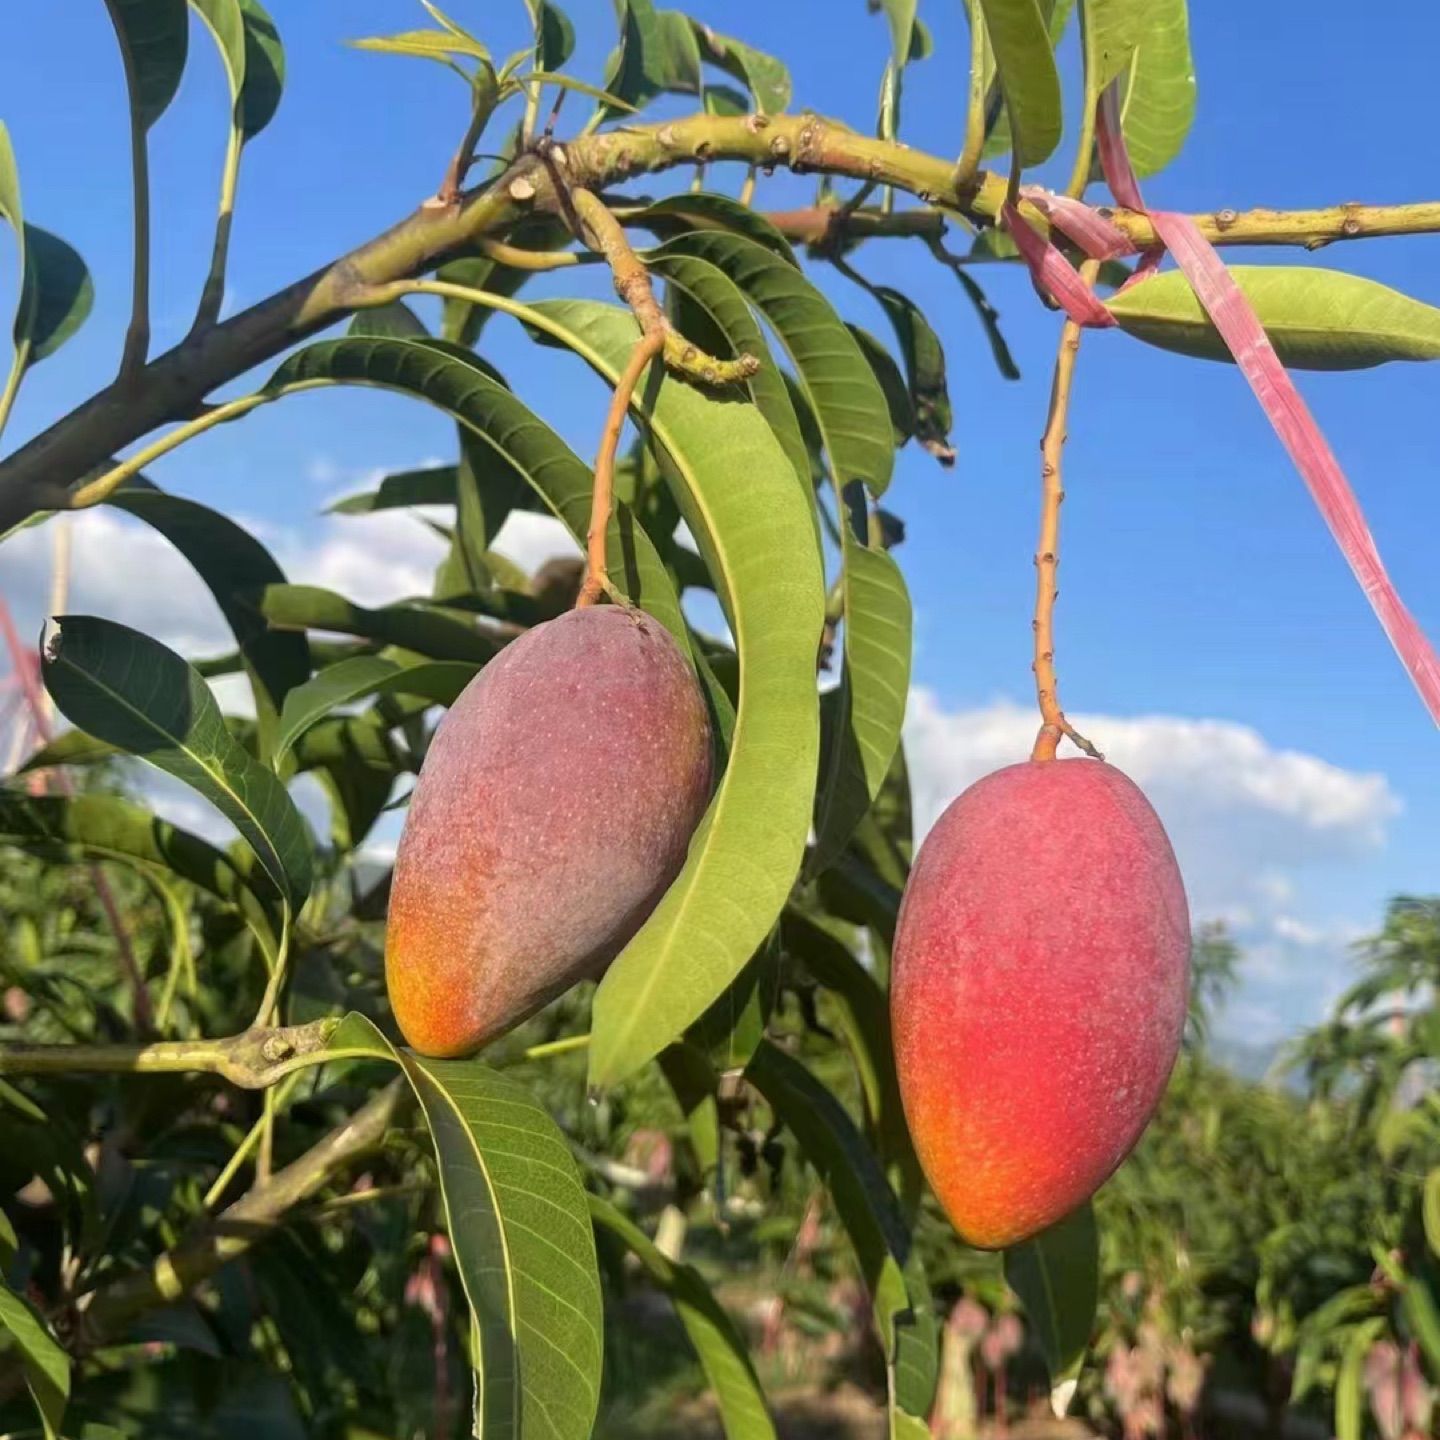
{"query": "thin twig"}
(518, 258)
(1047, 553)
(597, 575)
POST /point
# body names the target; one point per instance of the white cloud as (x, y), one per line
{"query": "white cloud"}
(1253, 826)
(530, 539)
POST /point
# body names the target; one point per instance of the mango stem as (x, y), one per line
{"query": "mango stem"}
(1047, 552)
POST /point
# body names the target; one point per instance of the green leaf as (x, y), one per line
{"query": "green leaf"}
(46, 1365)
(1418, 1302)
(434, 485)
(264, 69)
(569, 82)
(1158, 103)
(363, 675)
(61, 288)
(718, 1345)
(105, 827)
(864, 1201)
(635, 72)
(701, 210)
(225, 21)
(55, 289)
(462, 385)
(892, 382)
(433, 630)
(1350, 1380)
(765, 77)
(853, 417)
(1057, 1277)
(756, 539)
(396, 319)
(423, 44)
(901, 15)
(122, 686)
(990, 321)
(1430, 1210)
(706, 286)
(236, 568)
(1316, 319)
(924, 369)
(524, 1247)
(154, 39)
(1025, 64)
(554, 34)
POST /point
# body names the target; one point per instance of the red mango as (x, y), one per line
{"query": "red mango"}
(555, 806)
(1039, 987)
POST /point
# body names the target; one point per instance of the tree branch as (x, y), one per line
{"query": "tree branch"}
(40, 473)
(107, 1312)
(252, 1060)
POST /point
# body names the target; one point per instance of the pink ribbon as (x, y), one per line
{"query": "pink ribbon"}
(1231, 314)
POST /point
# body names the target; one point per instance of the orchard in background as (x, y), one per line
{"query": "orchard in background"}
(243, 1202)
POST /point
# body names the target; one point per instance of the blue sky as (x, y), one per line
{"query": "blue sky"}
(1207, 621)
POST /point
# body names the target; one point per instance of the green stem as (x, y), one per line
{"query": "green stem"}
(1084, 156)
(102, 488)
(251, 1140)
(137, 337)
(969, 161)
(12, 382)
(552, 1048)
(253, 1060)
(213, 295)
(270, 1001)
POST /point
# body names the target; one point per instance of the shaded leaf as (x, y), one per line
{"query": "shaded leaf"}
(264, 69)
(236, 568)
(434, 485)
(1316, 319)
(765, 77)
(892, 382)
(46, 1365)
(718, 1344)
(122, 686)
(364, 675)
(1057, 1277)
(702, 210)
(154, 39)
(395, 319)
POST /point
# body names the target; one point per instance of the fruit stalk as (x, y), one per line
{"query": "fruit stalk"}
(1047, 552)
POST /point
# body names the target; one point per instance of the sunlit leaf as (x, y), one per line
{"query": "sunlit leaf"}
(264, 69)
(43, 1359)
(745, 856)
(1025, 64)
(1158, 100)
(1316, 319)
(524, 1246)
(766, 78)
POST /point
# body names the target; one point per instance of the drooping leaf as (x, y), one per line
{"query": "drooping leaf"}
(105, 827)
(1350, 1380)
(363, 675)
(433, 630)
(709, 288)
(853, 418)
(62, 291)
(636, 71)
(463, 386)
(45, 1363)
(264, 69)
(1158, 103)
(554, 34)
(154, 39)
(863, 1199)
(1316, 319)
(225, 21)
(1430, 1210)
(396, 319)
(434, 485)
(701, 210)
(1025, 65)
(718, 1345)
(1418, 1302)
(1057, 1277)
(892, 382)
(524, 1245)
(756, 541)
(924, 369)
(766, 78)
(119, 685)
(236, 568)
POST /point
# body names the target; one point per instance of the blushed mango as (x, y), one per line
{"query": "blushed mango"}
(555, 806)
(1039, 991)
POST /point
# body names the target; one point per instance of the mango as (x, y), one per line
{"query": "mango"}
(554, 807)
(1039, 985)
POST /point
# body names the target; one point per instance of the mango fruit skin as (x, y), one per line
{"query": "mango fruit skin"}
(1038, 992)
(554, 807)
